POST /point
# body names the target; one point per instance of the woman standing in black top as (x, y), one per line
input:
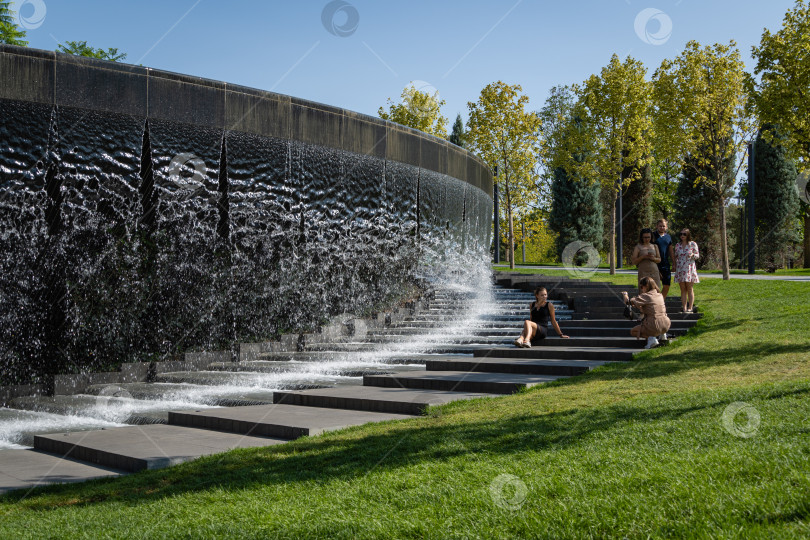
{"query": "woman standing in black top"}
(541, 311)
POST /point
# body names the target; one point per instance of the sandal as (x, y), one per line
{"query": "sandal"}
(518, 342)
(527, 345)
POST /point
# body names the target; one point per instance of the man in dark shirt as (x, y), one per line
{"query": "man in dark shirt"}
(664, 242)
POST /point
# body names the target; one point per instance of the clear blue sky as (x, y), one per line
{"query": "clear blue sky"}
(456, 46)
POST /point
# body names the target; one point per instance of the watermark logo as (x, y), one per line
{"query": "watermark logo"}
(114, 402)
(581, 259)
(508, 492)
(803, 183)
(187, 173)
(425, 105)
(30, 14)
(741, 419)
(340, 18)
(653, 26)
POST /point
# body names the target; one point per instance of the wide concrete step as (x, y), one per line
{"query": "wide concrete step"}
(620, 323)
(277, 420)
(122, 410)
(376, 399)
(454, 339)
(528, 366)
(460, 381)
(175, 396)
(137, 448)
(272, 381)
(559, 353)
(26, 469)
(372, 356)
(358, 347)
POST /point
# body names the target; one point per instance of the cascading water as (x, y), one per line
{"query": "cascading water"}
(133, 238)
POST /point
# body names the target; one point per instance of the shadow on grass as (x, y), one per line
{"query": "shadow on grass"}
(348, 458)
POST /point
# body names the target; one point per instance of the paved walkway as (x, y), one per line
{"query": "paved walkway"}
(701, 275)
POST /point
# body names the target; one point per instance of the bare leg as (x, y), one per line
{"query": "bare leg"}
(691, 291)
(683, 295)
(665, 291)
(530, 329)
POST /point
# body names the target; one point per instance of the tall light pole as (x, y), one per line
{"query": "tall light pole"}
(497, 239)
(751, 222)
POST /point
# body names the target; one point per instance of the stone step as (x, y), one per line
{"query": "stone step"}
(376, 399)
(450, 338)
(527, 366)
(381, 357)
(26, 469)
(271, 381)
(614, 341)
(303, 366)
(559, 353)
(514, 331)
(176, 395)
(120, 410)
(135, 448)
(277, 420)
(459, 381)
(18, 427)
(355, 347)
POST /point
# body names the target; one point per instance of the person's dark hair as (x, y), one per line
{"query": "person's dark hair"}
(538, 289)
(648, 283)
(643, 232)
(688, 235)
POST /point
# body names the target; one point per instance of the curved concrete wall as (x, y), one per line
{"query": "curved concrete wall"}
(116, 245)
(46, 77)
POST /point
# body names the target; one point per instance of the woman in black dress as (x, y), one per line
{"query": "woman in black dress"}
(541, 311)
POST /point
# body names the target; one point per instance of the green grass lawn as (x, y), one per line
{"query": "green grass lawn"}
(780, 272)
(639, 449)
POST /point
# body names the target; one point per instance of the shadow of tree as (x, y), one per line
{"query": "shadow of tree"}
(347, 457)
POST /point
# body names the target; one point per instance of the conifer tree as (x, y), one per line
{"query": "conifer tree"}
(776, 202)
(457, 135)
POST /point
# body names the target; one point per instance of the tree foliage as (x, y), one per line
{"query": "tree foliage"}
(702, 113)
(504, 134)
(81, 48)
(637, 209)
(618, 104)
(782, 95)
(10, 33)
(776, 202)
(417, 109)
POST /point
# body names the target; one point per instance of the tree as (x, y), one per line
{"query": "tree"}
(419, 110)
(10, 33)
(702, 112)
(576, 213)
(557, 146)
(457, 136)
(81, 48)
(782, 96)
(776, 202)
(618, 102)
(637, 204)
(695, 205)
(504, 134)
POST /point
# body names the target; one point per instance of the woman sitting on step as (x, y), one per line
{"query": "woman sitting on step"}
(540, 312)
(651, 304)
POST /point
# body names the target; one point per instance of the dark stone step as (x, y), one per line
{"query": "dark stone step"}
(560, 353)
(145, 447)
(526, 366)
(277, 420)
(376, 399)
(460, 381)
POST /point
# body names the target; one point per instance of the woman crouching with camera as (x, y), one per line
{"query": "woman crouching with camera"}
(650, 302)
(541, 311)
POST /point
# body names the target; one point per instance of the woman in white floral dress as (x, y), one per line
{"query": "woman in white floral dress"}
(686, 253)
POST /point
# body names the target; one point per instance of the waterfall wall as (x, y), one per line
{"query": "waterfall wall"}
(144, 213)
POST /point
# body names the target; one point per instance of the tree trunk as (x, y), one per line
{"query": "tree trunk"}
(807, 236)
(511, 249)
(723, 240)
(612, 255)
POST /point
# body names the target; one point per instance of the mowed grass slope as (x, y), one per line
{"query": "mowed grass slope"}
(633, 450)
